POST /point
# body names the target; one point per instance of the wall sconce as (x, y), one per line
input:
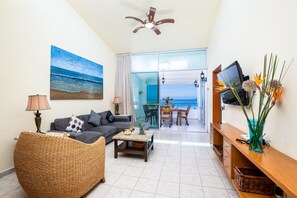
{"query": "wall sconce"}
(196, 84)
(202, 77)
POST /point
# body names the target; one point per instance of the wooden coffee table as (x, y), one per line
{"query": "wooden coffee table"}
(128, 140)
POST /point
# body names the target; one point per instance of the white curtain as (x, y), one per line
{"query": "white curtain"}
(123, 84)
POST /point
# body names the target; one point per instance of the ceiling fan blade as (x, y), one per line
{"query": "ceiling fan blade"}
(156, 30)
(138, 28)
(151, 14)
(135, 18)
(165, 21)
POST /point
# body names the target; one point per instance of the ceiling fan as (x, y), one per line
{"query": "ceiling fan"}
(149, 22)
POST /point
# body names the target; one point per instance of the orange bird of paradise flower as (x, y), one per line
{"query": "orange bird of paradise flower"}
(257, 78)
(221, 86)
(277, 93)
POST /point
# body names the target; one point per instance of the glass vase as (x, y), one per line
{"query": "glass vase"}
(256, 133)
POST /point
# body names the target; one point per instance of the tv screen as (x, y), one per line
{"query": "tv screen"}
(232, 76)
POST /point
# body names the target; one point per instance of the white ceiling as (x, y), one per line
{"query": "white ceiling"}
(194, 20)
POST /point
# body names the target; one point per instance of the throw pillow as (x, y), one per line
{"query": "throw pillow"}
(94, 118)
(75, 125)
(109, 117)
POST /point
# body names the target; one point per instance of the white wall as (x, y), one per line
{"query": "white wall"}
(246, 30)
(28, 29)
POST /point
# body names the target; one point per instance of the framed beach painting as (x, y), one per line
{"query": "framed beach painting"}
(74, 77)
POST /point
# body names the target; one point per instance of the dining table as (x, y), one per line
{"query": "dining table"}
(179, 111)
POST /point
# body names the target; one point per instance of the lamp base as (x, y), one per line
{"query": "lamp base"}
(38, 121)
(116, 109)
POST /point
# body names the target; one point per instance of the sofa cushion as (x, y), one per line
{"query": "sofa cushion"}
(105, 130)
(86, 125)
(121, 126)
(104, 121)
(109, 117)
(61, 123)
(94, 118)
(75, 124)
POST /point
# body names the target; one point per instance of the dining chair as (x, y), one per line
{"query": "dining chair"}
(165, 114)
(183, 114)
(147, 112)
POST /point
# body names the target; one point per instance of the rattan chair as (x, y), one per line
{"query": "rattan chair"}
(49, 166)
(165, 114)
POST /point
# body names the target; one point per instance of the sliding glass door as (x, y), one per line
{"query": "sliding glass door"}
(146, 96)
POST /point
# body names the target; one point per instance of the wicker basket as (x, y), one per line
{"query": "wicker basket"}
(253, 180)
(138, 145)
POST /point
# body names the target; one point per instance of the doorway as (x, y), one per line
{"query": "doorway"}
(184, 89)
(148, 71)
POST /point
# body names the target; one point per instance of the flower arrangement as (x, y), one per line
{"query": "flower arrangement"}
(270, 88)
(167, 100)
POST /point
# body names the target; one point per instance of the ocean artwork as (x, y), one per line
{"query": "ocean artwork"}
(74, 77)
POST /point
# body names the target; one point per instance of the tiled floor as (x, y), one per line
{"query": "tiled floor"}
(182, 165)
(194, 126)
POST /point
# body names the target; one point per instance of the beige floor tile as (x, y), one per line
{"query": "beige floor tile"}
(168, 189)
(233, 194)
(133, 171)
(208, 171)
(189, 178)
(170, 176)
(146, 185)
(7, 186)
(99, 191)
(115, 192)
(187, 191)
(215, 193)
(126, 182)
(111, 178)
(137, 194)
(16, 193)
(212, 181)
(116, 168)
(151, 173)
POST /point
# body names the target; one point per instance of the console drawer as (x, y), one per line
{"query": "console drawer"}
(227, 157)
(227, 146)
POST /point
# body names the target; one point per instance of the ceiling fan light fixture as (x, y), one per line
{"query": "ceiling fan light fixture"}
(149, 25)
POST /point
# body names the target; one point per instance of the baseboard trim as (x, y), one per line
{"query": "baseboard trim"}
(7, 172)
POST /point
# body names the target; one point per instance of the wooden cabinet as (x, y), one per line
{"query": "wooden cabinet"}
(281, 169)
(234, 153)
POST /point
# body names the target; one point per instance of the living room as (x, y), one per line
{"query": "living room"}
(243, 30)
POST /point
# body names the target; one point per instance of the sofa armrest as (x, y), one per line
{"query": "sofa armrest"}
(122, 118)
(52, 127)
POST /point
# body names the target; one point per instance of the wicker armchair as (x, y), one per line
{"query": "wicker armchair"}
(49, 166)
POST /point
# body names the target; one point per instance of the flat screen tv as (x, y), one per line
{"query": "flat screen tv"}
(232, 75)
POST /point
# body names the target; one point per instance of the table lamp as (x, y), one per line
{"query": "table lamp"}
(36, 103)
(117, 101)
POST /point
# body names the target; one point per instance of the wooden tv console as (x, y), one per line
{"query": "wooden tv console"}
(281, 169)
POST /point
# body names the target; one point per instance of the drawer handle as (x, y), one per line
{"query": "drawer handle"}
(226, 156)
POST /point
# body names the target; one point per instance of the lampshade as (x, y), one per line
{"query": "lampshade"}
(37, 102)
(117, 100)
